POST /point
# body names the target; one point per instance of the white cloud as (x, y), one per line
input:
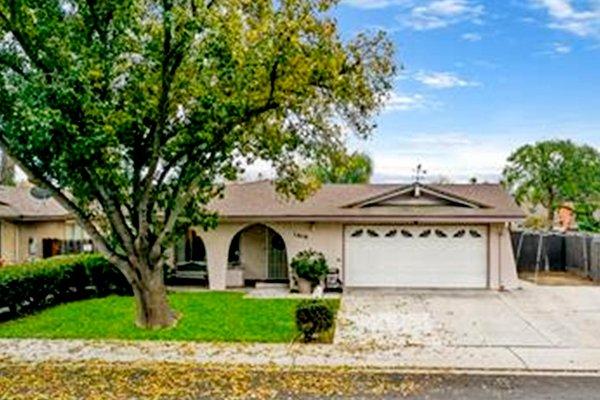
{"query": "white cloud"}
(440, 139)
(398, 102)
(442, 80)
(456, 155)
(581, 21)
(561, 48)
(440, 14)
(471, 37)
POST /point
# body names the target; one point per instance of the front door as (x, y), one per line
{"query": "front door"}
(277, 266)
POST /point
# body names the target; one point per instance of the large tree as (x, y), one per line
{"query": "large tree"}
(134, 112)
(550, 173)
(343, 167)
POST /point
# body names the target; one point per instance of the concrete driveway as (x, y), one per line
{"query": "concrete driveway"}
(535, 317)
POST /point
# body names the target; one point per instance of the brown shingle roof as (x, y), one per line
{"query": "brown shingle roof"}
(18, 203)
(258, 200)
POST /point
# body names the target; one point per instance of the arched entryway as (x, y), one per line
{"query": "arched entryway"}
(259, 252)
(190, 258)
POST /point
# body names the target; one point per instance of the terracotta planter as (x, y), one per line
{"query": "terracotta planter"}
(304, 286)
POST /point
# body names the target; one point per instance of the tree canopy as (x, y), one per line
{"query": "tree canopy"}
(343, 167)
(133, 113)
(550, 173)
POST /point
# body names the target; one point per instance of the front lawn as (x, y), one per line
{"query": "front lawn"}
(206, 316)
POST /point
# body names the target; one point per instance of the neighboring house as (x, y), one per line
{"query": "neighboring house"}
(380, 235)
(32, 225)
(565, 217)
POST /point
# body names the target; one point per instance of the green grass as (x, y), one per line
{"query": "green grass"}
(205, 316)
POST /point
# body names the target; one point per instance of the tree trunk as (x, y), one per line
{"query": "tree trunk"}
(550, 216)
(7, 170)
(153, 310)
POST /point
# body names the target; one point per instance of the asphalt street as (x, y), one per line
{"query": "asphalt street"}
(509, 387)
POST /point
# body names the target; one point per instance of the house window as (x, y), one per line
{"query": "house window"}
(372, 233)
(425, 233)
(194, 248)
(440, 233)
(234, 256)
(32, 247)
(357, 233)
(277, 243)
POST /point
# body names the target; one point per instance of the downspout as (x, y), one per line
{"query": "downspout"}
(17, 242)
(489, 255)
(500, 284)
(267, 244)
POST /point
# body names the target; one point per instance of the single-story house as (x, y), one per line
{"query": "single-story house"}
(373, 235)
(33, 225)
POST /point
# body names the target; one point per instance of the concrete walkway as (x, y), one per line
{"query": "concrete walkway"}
(465, 359)
(469, 358)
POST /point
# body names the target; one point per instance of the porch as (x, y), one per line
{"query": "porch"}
(256, 254)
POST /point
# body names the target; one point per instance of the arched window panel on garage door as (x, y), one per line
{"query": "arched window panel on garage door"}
(425, 233)
(391, 233)
(372, 233)
(474, 233)
(357, 233)
(440, 233)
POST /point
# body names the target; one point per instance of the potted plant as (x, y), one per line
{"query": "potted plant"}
(310, 268)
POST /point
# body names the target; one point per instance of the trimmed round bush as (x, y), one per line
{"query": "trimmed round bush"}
(313, 317)
(310, 265)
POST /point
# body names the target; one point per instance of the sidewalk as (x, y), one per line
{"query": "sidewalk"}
(483, 359)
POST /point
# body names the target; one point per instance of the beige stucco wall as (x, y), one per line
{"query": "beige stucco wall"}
(8, 242)
(508, 278)
(502, 268)
(39, 231)
(14, 238)
(325, 237)
(328, 238)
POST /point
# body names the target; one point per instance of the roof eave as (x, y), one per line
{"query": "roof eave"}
(472, 203)
(37, 218)
(375, 218)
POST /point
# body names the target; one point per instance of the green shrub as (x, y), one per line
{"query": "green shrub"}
(310, 265)
(313, 317)
(25, 288)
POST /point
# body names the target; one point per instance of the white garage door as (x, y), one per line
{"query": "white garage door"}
(440, 256)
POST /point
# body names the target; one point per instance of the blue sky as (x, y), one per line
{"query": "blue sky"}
(480, 79)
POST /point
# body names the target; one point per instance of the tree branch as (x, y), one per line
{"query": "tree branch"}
(13, 66)
(173, 57)
(82, 217)
(96, 20)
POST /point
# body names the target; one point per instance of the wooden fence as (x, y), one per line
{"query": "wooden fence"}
(556, 251)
